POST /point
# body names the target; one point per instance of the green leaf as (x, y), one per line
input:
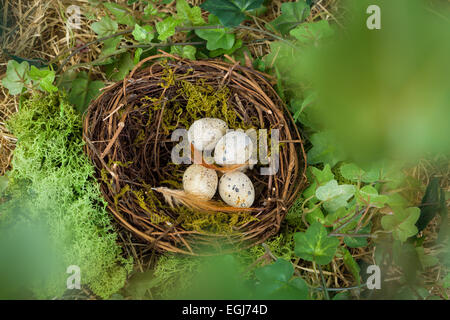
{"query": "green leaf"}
(121, 68)
(312, 33)
(166, 28)
(334, 195)
(351, 171)
(150, 11)
(216, 38)
(143, 34)
(275, 282)
(109, 49)
(402, 223)
(280, 271)
(185, 51)
(105, 27)
(44, 78)
(280, 56)
(16, 77)
(188, 14)
(237, 45)
(358, 242)
(84, 91)
(426, 260)
(315, 245)
(342, 214)
(231, 12)
(122, 14)
(315, 215)
(430, 205)
(137, 55)
(369, 195)
(351, 264)
(324, 149)
(447, 281)
(292, 14)
(322, 176)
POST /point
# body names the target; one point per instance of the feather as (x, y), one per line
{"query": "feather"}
(179, 197)
(230, 168)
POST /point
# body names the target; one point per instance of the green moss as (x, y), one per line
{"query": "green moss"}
(200, 100)
(59, 181)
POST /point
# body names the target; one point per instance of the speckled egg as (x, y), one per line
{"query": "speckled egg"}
(237, 190)
(200, 181)
(206, 132)
(233, 148)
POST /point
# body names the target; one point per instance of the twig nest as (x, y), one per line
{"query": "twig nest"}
(200, 181)
(233, 148)
(237, 190)
(206, 132)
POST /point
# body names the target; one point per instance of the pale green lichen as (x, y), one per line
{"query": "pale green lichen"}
(58, 179)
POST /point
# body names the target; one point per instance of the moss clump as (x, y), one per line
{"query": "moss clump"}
(191, 102)
(53, 172)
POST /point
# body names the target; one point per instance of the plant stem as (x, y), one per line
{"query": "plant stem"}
(324, 284)
(237, 27)
(77, 50)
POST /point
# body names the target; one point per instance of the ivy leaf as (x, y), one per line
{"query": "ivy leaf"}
(292, 14)
(426, 260)
(334, 195)
(430, 205)
(44, 78)
(16, 77)
(358, 242)
(216, 38)
(315, 215)
(280, 55)
(117, 71)
(275, 282)
(369, 195)
(166, 28)
(188, 14)
(230, 12)
(351, 171)
(185, 51)
(150, 11)
(339, 214)
(312, 33)
(322, 176)
(122, 14)
(137, 55)
(84, 91)
(447, 281)
(105, 27)
(143, 34)
(402, 223)
(315, 245)
(237, 45)
(324, 149)
(109, 49)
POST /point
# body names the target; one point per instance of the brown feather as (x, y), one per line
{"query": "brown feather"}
(230, 168)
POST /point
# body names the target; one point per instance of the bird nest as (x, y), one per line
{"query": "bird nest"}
(128, 133)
